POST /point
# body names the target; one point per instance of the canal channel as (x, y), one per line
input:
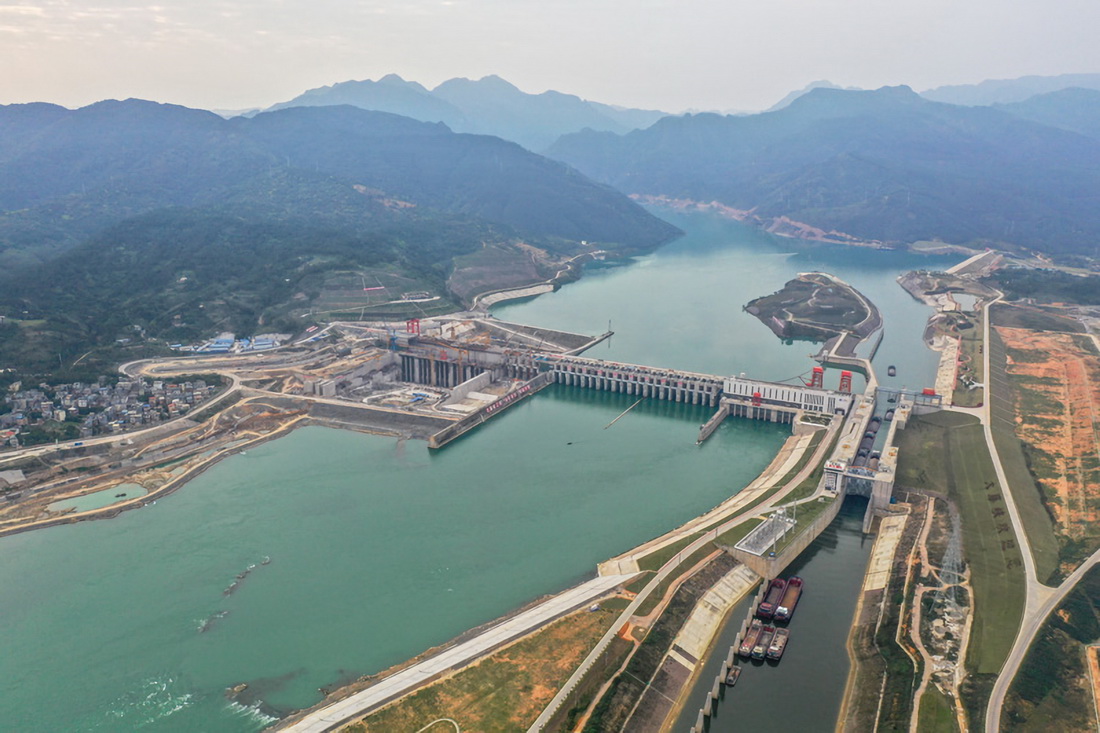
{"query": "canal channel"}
(804, 690)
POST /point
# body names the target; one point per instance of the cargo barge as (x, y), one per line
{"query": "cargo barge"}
(752, 635)
(763, 643)
(778, 645)
(793, 592)
(767, 607)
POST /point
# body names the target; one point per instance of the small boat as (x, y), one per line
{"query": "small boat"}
(731, 678)
(766, 609)
(778, 645)
(891, 371)
(752, 635)
(785, 609)
(763, 643)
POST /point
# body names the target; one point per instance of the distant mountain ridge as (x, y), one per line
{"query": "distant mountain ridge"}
(884, 165)
(1074, 109)
(487, 106)
(791, 96)
(1007, 91)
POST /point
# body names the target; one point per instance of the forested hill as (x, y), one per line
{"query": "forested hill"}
(65, 175)
(179, 221)
(883, 165)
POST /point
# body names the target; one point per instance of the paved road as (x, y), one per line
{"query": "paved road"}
(1030, 629)
(394, 686)
(1041, 599)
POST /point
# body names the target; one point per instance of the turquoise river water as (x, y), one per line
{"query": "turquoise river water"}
(327, 554)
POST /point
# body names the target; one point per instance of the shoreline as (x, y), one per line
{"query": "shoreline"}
(178, 482)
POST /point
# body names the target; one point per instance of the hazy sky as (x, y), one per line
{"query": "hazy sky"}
(718, 54)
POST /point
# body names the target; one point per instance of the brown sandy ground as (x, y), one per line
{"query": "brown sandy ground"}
(1058, 418)
(504, 692)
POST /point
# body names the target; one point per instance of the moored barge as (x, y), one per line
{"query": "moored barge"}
(752, 635)
(767, 607)
(763, 643)
(778, 645)
(793, 592)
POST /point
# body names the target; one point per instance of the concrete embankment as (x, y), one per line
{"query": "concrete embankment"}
(458, 429)
(332, 715)
(487, 301)
(680, 667)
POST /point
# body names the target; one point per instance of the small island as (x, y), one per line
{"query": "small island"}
(817, 306)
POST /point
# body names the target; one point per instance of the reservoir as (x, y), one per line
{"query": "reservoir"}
(328, 554)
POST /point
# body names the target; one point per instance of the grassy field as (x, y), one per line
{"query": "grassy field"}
(809, 484)
(506, 691)
(1045, 548)
(946, 452)
(971, 365)
(656, 559)
(936, 715)
(1051, 690)
(732, 536)
(1044, 319)
(805, 514)
(658, 593)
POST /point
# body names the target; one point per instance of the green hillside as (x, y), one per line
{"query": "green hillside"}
(179, 222)
(882, 165)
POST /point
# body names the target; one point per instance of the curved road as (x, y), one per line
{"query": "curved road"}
(38, 450)
(1041, 599)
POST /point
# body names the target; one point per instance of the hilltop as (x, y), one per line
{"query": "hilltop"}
(487, 106)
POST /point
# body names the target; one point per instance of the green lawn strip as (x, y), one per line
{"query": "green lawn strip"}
(809, 484)
(658, 593)
(1036, 519)
(996, 565)
(972, 362)
(936, 713)
(657, 559)
(732, 536)
(805, 514)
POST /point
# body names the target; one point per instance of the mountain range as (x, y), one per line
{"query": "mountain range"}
(136, 213)
(487, 106)
(1007, 91)
(886, 166)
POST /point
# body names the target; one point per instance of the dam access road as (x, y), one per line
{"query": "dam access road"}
(335, 714)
